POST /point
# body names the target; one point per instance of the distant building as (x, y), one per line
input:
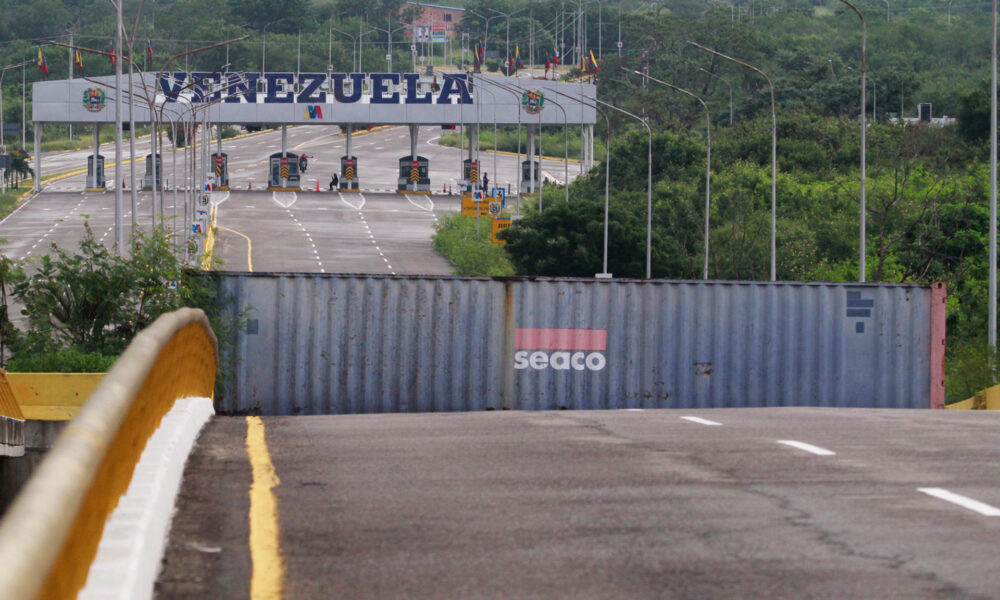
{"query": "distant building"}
(924, 115)
(436, 24)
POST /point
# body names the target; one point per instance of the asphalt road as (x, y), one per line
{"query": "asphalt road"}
(767, 503)
(376, 231)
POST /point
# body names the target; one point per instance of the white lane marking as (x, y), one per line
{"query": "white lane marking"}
(808, 447)
(429, 201)
(964, 501)
(343, 199)
(701, 421)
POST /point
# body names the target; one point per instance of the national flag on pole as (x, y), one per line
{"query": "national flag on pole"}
(475, 55)
(78, 60)
(111, 52)
(149, 51)
(593, 63)
(42, 65)
(548, 65)
(517, 57)
(482, 53)
(510, 63)
(555, 58)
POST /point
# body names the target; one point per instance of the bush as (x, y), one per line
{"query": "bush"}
(468, 252)
(66, 360)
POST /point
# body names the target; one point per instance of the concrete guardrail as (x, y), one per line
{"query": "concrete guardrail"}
(50, 534)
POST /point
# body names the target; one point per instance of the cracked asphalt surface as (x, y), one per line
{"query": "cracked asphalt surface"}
(623, 504)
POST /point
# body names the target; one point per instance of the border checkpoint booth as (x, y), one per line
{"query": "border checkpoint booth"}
(351, 100)
(147, 178)
(284, 172)
(220, 162)
(413, 175)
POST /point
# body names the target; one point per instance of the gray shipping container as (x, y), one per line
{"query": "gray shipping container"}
(334, 344)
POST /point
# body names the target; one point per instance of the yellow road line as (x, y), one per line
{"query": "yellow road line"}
(267, 579)
(206, 258)
(249, 245)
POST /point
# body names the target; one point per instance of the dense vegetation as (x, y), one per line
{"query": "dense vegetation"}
(927, 186)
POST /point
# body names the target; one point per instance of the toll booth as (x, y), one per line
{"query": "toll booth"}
(413, 175)
(470, 173)
(526, 176)
(349, 173)
(147, 180)
(95, 176)
(284, 172)
(220, 162)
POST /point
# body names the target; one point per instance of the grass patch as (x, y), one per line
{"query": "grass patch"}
(553, 142)
(468, 252)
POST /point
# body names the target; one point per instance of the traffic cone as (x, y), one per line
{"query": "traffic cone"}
(317, 185)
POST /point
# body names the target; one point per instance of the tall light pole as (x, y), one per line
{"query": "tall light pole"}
(725, 81)
(708, 159)
(517, 94)
(607, 177)
(486, 35)
(507, 16)
(864, 127)
(388, 41)
(263, 49)
(774, 155)
(354, 49)
(649, 182)
(119, 234)
(993, 195)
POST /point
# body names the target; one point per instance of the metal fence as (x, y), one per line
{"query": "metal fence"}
(332, 344)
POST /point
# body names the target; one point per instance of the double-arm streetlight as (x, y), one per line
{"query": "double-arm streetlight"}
(649, 181)
(864, 127)
(354, 48)
(486, 34)
(607, 178)
(388, 40)
(774, 154)
(708, 158)
(507, 16)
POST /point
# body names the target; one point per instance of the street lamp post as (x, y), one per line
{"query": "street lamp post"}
(708, 159)
(263, 49)
(507, 16)
(607, 179)
(517, 91)
(864, 126)
(649, 183)
(725, 81)
(354, 49)
(992, 335)
(774, 154)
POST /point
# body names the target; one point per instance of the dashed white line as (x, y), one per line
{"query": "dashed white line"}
(808, 447)
(964, 501)
(701, 421)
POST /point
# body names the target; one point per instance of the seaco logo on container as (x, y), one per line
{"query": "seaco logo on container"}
(560, 349)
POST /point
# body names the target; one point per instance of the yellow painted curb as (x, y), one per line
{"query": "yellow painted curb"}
(268, 568)
(52, 396)
(206, 259)
(988, 399)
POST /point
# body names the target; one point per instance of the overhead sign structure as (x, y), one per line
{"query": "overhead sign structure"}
(314, 98)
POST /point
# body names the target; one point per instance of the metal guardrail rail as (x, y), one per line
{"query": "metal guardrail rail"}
(50, 534)
(11, 421)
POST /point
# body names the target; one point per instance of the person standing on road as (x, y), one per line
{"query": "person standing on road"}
(333, 182)
(486, 182)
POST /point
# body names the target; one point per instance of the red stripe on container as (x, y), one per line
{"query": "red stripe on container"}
(561, 339)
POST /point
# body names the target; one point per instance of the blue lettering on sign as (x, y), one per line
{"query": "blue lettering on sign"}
(242, 89)
(380, 86)
(310, 83)
(357, 85)
(287, 96)
(412, 87)
(238, 88)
